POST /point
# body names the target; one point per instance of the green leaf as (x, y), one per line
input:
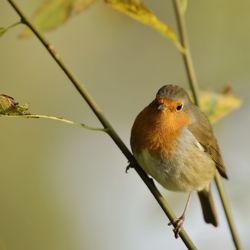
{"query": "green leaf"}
(53, 13)
(8, 106)
(2, 31)
(137, 10)
(216, 106)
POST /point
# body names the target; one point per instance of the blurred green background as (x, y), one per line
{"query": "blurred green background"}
(63, 188)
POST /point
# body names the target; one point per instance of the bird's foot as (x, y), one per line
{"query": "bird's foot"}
(127, 168)
(178, 224)
(132, 164)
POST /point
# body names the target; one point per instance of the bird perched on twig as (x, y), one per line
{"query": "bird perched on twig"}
(173, 141)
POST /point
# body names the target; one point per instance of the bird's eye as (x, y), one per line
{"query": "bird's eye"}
(179, 107)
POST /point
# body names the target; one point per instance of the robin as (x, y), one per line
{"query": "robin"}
(173, 141)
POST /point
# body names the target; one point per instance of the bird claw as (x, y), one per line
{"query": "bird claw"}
(178, 225)
(132, 164)
(128, 167)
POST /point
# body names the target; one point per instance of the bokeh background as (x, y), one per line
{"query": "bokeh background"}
(64, 188)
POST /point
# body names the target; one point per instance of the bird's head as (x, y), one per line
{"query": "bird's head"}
(171, 106)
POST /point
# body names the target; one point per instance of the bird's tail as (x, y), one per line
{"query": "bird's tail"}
(208, 206)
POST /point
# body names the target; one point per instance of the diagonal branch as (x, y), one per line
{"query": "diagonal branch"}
(112, 133)
(187, 58)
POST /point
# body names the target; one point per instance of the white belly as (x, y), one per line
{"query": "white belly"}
(188, 168)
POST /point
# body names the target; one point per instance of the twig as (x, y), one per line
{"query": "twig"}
(228, 213)
(195, 91)
(4, 30)
(13, 25)
(60, 119)
(187, 58)
(112, 133)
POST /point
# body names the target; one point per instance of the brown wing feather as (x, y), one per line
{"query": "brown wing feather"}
(203, 132)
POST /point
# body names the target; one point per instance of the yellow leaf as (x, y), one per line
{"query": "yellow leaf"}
(216, 106)
(8, 106)
(53, 13)
(137, 10)
(80, 5)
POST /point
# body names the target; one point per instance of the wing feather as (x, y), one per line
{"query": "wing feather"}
(203, 132)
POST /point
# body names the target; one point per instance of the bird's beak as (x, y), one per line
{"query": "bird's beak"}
(162, 106)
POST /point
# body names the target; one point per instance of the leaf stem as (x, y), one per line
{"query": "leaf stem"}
(187, 58)
(112, 133)
(60, 119)
(3, 30)
(14, 25)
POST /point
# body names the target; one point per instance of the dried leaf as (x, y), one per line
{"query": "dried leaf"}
(216, 106)
(8, 106)
(53, 13)
(137, 10)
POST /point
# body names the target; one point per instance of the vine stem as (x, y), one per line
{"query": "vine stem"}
(106, 124)
(188, 62)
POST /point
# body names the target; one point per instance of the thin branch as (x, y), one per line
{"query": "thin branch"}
(228, 212)
(59, 119)
(3, 30)
(112, 133)
(13, 25)
(195, 91)
(187, 58)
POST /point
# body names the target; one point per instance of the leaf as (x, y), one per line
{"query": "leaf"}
(2, 31)
(80, 5)
(137, 10)
(53, 13)
(216, 106)
(8, 106)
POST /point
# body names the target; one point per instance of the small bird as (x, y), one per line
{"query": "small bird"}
(173, 141)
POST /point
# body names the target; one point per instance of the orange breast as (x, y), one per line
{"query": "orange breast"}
(157, 131)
